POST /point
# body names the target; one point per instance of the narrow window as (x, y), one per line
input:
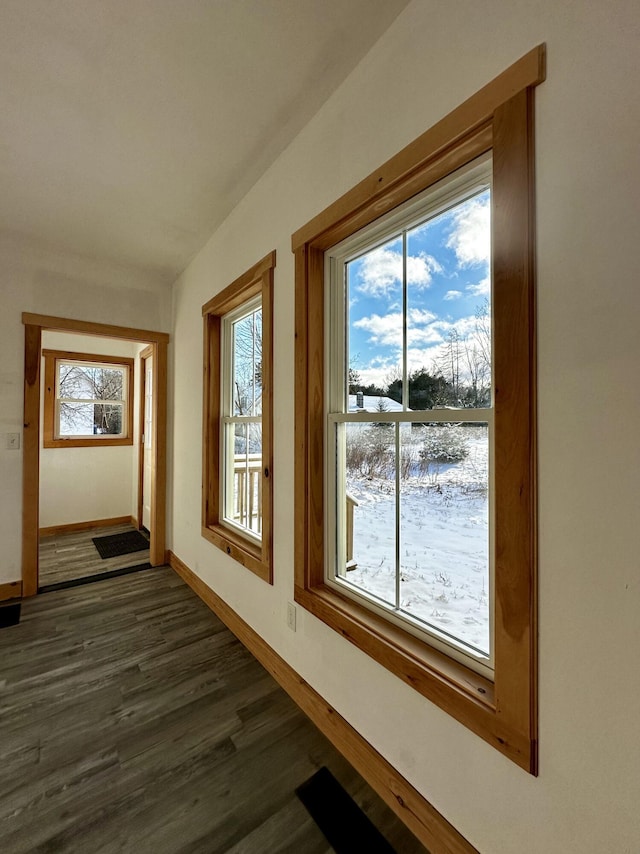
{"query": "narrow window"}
(241, 483)
(237, 494)
(87, 400)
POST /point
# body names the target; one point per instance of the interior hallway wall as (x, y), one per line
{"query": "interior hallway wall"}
(36, 279)
(431, 59)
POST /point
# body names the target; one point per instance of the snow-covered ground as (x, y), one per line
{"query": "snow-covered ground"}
(444, 566)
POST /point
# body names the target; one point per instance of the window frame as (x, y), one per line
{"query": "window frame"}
(423, 208)
(50, 436)
(227, 396)
(497, 119)
(255, 556)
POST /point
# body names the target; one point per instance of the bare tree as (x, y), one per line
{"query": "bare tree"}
(449, 363)
(80, 387)
(478, 359)
(483, 332)
(247, 382)
(465, 363)
(247, 364)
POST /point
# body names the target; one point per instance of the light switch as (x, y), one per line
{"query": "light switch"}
(12, 441)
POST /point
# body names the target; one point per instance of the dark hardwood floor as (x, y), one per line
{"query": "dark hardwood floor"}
(65, 557)
(132, 720)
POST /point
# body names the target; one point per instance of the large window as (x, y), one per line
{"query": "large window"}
(409, 438)
(87, 400)
(415, 419)
(237, 496)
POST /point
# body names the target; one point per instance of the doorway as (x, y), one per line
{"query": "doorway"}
(155, 452)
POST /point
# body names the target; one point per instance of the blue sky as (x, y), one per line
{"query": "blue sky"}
(448, 280)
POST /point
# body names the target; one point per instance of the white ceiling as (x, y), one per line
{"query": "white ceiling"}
(130, 128)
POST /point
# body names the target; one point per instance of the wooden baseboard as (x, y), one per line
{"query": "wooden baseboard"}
(10, 590)
(423, 819)
(83, 526)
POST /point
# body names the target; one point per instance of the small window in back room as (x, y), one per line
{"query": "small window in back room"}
(87, 400)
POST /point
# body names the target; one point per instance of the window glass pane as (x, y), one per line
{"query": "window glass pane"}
(247, 364)
(448, 307)
(244, 481)
(107, 419)
(88, 382)
(374, 320)
(412, 499)
(91, 419)
(368, 534)
(444, 534)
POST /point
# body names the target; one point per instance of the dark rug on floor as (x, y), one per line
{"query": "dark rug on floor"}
(10, 614)
(338, 816)
(120, 544)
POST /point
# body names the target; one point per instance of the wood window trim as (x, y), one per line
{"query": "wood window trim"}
(87, 327)
(51, 359)
(498, 118)
(142, 356)
(257, 557)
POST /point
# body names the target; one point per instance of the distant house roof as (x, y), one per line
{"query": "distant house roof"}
(371, 403)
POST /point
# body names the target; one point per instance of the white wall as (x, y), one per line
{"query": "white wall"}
(34, 278)
(433, 57)
(83, 484)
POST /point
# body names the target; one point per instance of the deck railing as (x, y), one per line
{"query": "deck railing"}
(247, 491)
(247, 499)
(351, 504)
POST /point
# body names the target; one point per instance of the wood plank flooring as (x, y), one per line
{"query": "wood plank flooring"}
(64, 557)
(132, 720)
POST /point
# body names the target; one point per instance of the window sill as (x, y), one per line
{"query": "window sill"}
(458, 690)
(86, 443)
(244, 551)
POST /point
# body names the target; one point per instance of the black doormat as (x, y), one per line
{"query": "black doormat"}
(347, 828)
(120, 544)
(10, 614)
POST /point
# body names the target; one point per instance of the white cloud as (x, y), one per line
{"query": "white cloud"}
(464, 326)
(470, 237)
(482, 289)
(425, 357)
(427, 343)
(377, 375)
(429, 357)
(386, 330)
(381, 270)
(452, 295)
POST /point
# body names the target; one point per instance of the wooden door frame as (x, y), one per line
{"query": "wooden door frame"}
(34, 325)
(142, 356)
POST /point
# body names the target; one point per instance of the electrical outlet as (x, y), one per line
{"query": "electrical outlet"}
(12, 441)
(291, 616)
